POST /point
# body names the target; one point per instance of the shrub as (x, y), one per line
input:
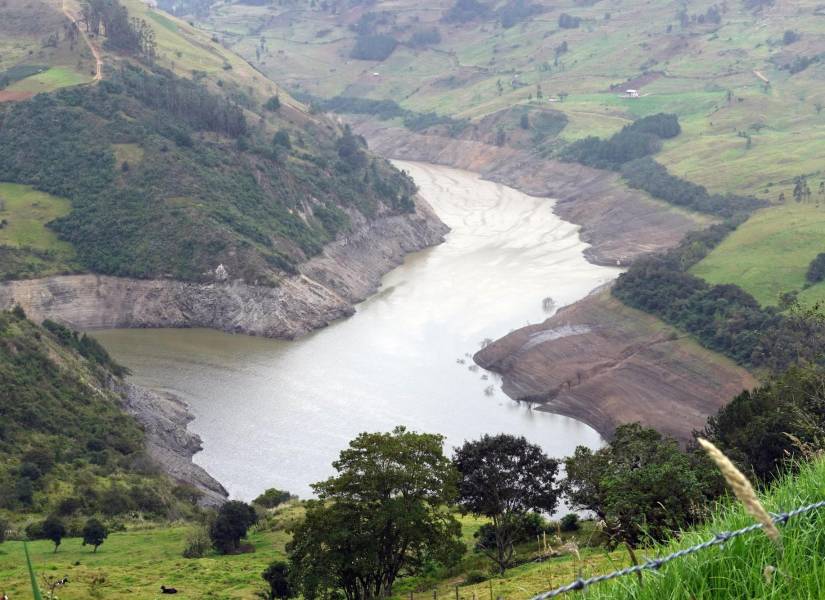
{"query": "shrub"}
(4, 526)
(276, 576)
(474, 577)
(233, 521)
(569, 522)
(272, 498)
(273, 104)
(197, 543)
(373, 47)
(816, 270)
(568, 21)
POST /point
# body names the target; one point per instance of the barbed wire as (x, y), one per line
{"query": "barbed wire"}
(654, 564)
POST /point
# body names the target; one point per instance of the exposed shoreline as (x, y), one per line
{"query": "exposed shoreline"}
(327, 288)
(596, 360)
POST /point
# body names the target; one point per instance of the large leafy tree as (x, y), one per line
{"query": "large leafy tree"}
(640, 485)
(383, 515)
(233, 520)
(94, 534)
(503, 477)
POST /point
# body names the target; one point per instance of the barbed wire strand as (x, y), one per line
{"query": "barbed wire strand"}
(654, 564)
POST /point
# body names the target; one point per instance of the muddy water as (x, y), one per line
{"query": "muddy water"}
(275, 413)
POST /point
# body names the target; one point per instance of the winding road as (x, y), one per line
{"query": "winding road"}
(95, 52)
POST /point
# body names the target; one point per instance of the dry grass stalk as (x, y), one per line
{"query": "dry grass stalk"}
(743, 490)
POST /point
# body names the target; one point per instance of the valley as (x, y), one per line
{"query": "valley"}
(376, 299)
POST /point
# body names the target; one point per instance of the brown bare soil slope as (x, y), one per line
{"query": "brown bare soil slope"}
(606, 364)
(619, 223)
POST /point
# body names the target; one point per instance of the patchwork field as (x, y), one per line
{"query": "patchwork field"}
(749, 97)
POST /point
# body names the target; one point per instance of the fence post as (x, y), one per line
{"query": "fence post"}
(456, 592)
(435, 594)
(491, 589)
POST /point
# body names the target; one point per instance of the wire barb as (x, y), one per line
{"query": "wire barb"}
(655, 564)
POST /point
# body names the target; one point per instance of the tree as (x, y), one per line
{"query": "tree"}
(640, 485)
(94, 534)
(382, 516)
(273, 104)
(281, 138)
(276, 576)
(503, 477)
(4, 525)
(525, 121)
(273, 497)
(53, 529)
(753, 429)
(233, 521)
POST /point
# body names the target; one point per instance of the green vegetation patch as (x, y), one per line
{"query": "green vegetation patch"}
(747, 567)
(28, 248)
(770, 253)
(24, 213)
(50, 80)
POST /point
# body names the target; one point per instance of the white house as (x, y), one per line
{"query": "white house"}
(630, 94)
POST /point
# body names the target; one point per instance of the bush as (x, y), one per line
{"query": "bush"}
(233, 521)
(373, 47)
(816, 270)
(474, 577)
(272, 498)
(276, 576)
(4, 527)
(273, 104)
(569, 522)
(568, 21)
(197, 543)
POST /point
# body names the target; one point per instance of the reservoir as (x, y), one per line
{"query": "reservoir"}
(277, 413)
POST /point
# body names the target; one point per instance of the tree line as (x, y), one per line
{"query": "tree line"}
(131, 36)
(629, 151)
(723, 318)
(390, 510)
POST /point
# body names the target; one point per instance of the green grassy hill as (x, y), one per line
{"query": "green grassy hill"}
(743, 77)
(172, 166)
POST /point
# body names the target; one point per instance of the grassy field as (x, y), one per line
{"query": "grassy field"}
(50, 80)
(134, 563)
(26, 212)
(770, 254)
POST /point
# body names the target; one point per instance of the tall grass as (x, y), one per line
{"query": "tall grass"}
(746, 567)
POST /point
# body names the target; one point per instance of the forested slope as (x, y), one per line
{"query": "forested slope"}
(66, 445)
(172, 176)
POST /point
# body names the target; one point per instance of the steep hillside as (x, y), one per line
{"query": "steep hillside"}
(185, 164)
(67, 444)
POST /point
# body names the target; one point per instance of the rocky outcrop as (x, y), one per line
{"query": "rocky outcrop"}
(603, 363)
(619, 223)
(326, 289)
(164, 418)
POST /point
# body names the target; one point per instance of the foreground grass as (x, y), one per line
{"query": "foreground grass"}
(134, 564)
(749, 566)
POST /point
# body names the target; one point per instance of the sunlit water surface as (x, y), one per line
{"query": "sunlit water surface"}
(276, 413)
